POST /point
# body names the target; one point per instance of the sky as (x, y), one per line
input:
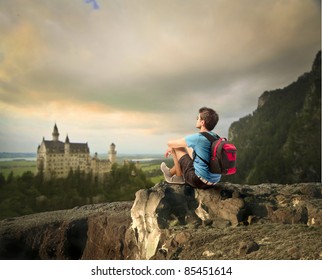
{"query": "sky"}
(136, 72)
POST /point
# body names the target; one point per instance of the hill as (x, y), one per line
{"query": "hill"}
(281, 141)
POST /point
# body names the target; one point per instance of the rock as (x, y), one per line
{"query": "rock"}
(247, 247)
(211, 204)
(290, 215)
(294, 252)
(208, 253)
(177, 222)
(87, 232)
(165, 206)
(159, 208)
(182, 237)
(311, 191)
(145, 222)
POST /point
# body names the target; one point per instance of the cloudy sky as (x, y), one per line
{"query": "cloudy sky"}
(135, 72)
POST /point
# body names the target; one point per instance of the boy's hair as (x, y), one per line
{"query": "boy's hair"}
(209, 116)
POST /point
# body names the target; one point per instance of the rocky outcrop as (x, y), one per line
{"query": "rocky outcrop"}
(164, 207)
(229, 221)
(87, 232)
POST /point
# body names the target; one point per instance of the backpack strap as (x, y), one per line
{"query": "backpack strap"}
(218, 147)
(212, 139)
(196, 155)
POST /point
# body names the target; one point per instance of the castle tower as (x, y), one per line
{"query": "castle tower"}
(55, 133)
(112, 153)
(67, 145)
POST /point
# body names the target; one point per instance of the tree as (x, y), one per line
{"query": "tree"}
(2, 180)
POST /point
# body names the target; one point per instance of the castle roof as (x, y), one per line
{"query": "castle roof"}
(54, 146)
(79, 147)
(59, 147)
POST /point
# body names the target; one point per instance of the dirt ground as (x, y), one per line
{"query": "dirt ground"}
(254, 242)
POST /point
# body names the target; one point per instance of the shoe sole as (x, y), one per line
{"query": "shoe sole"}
(168, 178)
(175, 183)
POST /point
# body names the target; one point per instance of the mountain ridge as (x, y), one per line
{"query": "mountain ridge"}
(280, 142)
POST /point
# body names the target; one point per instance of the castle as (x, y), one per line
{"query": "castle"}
(56, 158)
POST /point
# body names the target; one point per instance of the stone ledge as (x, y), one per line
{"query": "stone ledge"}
(177, 222)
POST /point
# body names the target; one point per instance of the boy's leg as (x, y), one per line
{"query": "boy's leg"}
(177, 154)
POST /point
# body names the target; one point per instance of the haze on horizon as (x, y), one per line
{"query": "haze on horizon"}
(135, 73)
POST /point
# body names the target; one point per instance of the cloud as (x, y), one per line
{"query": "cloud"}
(145, 67)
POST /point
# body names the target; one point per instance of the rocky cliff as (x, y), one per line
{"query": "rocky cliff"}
(282, 137)
(267, 221)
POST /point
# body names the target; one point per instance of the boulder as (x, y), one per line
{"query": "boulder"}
(87, 232)
(165, 207)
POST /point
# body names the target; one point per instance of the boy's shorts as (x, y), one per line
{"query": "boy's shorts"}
(189, 175)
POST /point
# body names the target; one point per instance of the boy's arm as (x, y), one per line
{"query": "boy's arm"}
(177, 143)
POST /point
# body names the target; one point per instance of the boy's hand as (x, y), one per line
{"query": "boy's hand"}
(168, 152)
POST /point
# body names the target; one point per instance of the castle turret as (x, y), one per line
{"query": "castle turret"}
(112, 153)
(67, 145)
(55, 133)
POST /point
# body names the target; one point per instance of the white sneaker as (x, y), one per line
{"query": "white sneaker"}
(165, 170)
(171, 179)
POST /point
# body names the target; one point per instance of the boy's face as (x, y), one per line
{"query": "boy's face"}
(200, 122)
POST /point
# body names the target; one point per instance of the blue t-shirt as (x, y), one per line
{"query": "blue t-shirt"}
(201, 145)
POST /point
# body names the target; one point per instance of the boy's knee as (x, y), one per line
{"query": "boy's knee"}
(179, 152)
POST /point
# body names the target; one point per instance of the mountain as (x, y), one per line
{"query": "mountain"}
(280, 142)
(17, 155)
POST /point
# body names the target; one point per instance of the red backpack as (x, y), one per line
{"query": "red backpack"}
(222, 157)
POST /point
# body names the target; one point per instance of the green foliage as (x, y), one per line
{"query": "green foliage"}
(18, 166)
(153, 171)
(29, 193)
(123, 181)
(281, 141)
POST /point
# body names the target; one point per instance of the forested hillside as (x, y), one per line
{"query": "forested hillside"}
(281, 141)
(29, 193)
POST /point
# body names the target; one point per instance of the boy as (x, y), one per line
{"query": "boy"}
(189, 168)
